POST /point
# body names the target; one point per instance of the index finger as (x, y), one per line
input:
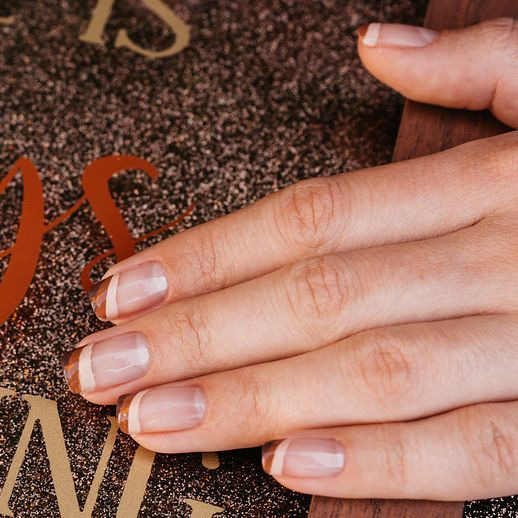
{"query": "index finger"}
(406, 201)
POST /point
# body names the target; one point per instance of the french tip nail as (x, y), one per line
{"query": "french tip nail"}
(129, 292)
(396, 35)
(304, 457)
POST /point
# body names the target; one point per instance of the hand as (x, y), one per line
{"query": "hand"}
(367, 323)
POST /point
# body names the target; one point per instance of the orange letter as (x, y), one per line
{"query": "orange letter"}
(26, 250)
(97, 191)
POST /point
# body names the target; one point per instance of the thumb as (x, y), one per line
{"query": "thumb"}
(473, 68)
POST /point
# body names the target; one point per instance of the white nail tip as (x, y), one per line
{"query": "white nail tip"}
(371, 37)
(86, 375)
(278, 457)
(111, 298)
(159, 284)
(133, 414)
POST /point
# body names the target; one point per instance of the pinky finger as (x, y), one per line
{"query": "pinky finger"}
(466, 454)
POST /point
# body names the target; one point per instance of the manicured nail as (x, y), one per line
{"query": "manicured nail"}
(162, 409)
(303, 458)
(106, 364)
(129, 292)
(395, 35)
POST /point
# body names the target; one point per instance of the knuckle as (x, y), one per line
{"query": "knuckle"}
(310, 214)
(491, 441)
(502, 32)
(496, 247)
(385, 367)
(396, 455)
(191, 337)
(501, 160)
(493, 163)
(317, 290)
(256, 421)
(205, 261)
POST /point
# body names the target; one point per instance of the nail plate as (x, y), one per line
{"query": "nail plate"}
(129, 292)
(108, 363)
(162, 409)
(303, 457)
(395, 35)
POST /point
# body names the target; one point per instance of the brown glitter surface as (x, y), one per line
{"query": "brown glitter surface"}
(268, 92)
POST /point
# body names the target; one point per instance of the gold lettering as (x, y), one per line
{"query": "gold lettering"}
(6, 20)
(180, 28)
(136, 484)
(45, 411)
(210, 460)
(6, 392)
(100, 16)
(202, 510)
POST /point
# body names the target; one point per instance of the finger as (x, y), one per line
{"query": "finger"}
(473, 67)
(401, 202)
(390, 374)
(299, 308)
(466, 454)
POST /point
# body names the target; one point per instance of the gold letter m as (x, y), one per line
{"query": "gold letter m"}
(45, 411)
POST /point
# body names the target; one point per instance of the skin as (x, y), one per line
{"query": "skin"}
(378, 307)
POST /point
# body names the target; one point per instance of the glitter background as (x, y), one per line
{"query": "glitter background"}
(267, 93)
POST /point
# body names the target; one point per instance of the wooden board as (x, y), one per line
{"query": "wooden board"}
(426, 129)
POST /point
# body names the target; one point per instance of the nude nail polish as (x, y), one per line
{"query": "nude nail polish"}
(395, 35)
(129, 292)
(162, 409)
(303, 457)
(108, 363)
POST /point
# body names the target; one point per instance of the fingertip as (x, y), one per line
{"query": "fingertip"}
(459, 68)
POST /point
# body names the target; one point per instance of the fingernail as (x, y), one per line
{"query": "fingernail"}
(106, 364)
(395, 35)
(163, 409)
(303, 458)
(129, 292)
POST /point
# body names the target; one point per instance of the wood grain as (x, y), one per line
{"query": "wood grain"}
(426, 129)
